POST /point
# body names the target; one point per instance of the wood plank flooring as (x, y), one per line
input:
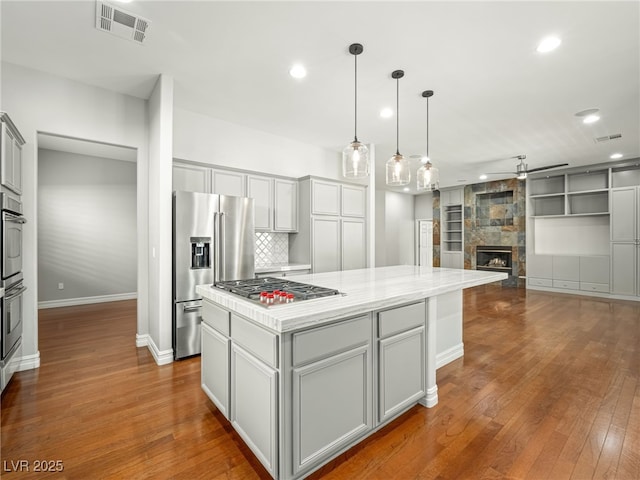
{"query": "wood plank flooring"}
(548, 389)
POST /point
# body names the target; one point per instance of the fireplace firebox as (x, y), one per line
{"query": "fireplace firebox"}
(494, 258)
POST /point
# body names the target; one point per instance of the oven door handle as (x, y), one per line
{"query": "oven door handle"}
(15, 219)
(13, 294)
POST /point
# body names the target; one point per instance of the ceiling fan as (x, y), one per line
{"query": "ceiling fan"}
(522, 170)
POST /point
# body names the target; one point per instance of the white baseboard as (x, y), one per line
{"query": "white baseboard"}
(449, 355)
(71, 302)
(142, 340)
(28, 362)
(163, 357)
(431, 398)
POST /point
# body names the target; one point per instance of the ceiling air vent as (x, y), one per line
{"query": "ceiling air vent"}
(121, 23)
(606, 138)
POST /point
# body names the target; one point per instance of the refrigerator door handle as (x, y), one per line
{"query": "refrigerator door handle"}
(216, 248)
(221, 244)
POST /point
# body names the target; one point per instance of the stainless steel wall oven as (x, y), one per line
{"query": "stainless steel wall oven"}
(11, 271)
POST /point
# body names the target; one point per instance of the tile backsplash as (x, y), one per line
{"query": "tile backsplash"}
(271, 248)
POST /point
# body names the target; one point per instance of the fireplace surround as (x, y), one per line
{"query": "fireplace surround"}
(496, 258)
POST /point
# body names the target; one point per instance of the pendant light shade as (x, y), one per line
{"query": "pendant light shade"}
(355, 156)
(428, 176)
(398, 173)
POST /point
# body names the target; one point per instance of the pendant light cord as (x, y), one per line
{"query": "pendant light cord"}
(355, 127)
(428, 159)
(397, 116)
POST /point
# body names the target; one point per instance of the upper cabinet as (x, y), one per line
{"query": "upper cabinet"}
(191, 178)
(332, 198)
(275, 199)
(12, 141)
(285, 205)
(228, 182)
(261, 190)
(572, 194)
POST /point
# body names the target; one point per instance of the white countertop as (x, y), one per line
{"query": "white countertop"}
(364, 290)
(283, 267)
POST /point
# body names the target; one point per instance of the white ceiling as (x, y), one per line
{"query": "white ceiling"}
(495, 96)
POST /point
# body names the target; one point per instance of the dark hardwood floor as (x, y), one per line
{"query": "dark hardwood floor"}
(548, 389)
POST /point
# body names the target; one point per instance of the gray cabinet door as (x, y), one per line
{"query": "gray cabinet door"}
(624, 215)
(215, 368)
(325, 244)
(325, 198)
(354, 244)
(254, 405)
(285, 205)
(332, 406)
(228, 183)
(401, 371)
(191, 178)
(260, 189)
(623, 268)
(353, 201)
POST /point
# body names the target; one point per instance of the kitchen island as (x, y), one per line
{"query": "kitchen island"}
(303, 382)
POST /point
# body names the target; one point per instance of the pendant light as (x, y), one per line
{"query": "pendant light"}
(398, 173)
(428, 175)
(355, 156)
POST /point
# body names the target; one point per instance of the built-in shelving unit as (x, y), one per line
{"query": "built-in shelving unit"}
(572, 194)
(452, 228)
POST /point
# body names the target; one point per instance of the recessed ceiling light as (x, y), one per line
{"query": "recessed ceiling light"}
(298, 71)
(591, 118)
(386, 113)
(615, 156)
(406, 189)
(483, 177)
(548, 44)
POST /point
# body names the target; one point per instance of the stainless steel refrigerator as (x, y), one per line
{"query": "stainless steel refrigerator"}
(213, 240)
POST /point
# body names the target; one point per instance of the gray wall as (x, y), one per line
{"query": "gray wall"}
(423, 205)
(86, 226)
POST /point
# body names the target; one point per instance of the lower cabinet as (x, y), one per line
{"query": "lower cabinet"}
(254, 405)
(402, 365)
(331, 405)
(402, 372)
(215, 371)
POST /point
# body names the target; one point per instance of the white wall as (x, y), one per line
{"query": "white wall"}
(199, 138)
(86, 226)
(41, 102)
(570, 236)
(399, 229)
(423, 206)
(160, 219)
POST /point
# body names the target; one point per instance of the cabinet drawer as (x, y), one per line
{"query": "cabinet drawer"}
(260, 342)
(401, 319)
(569, 285)
(312, 345)
(216, 317)
(541, 282)
(594, 287)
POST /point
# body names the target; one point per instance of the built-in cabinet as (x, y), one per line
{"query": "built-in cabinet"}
(11, 151)
(275, 198)
(452, 228)
(300, 398)
(332, 230)
(583, 193)
(625, 241)
(401, 359)
(332, 380)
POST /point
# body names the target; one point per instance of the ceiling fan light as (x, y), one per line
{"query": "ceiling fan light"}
(355, 160)
(522, 175)
(398, 173)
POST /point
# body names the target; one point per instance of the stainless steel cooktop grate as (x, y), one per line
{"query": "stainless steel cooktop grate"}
(259, 288)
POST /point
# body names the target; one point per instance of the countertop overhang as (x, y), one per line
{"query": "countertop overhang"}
(362, 291)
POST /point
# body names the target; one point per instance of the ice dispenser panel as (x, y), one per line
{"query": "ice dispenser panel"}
(200, 252)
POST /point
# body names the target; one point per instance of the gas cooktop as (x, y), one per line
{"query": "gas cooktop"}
(271, 291)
